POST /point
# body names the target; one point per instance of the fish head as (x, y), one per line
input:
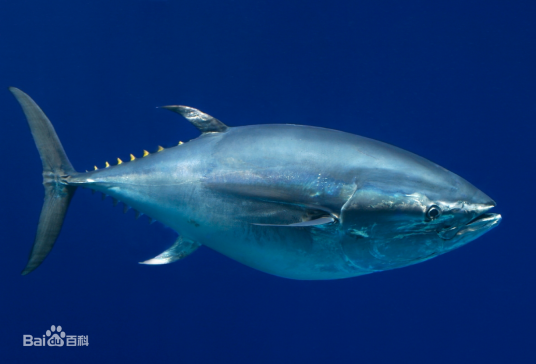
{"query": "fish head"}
(408, 214)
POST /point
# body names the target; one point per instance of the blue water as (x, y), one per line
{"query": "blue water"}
(453, 81)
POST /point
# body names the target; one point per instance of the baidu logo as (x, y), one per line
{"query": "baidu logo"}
(55, 337)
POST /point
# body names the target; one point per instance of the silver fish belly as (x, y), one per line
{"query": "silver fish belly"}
(295, 201)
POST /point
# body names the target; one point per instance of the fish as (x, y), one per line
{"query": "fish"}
(294, 201)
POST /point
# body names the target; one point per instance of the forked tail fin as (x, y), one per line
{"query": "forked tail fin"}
(56, 171)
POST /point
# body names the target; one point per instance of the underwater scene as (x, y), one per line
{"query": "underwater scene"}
(267, 181)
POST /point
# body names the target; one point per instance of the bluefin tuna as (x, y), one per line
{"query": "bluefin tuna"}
(294, 201)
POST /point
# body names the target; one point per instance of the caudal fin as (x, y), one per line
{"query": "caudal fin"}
(56, 171)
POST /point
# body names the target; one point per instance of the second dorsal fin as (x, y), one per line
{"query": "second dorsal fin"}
(204, 122)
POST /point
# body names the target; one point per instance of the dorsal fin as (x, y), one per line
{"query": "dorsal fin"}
(204, 122)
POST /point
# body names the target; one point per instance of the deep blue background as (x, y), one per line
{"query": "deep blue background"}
(453, 81)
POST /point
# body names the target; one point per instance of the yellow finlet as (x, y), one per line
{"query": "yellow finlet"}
(160, 148)
(107, 164)
(96, 168)
(145, 153)
(119, 161)
(132, 158)
(181, 143)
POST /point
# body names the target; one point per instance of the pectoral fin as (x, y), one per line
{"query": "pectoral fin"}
(316, 222)
(181, 249)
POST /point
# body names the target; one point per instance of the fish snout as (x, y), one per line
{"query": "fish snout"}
(478, 206)
(483, 202)
(476, 198)
(474, 218)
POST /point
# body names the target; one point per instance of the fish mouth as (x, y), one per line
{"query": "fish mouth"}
(485, 219)
(478, 226)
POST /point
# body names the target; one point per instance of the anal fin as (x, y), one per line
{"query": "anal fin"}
(181, 249)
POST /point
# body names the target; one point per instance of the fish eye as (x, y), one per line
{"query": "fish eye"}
(433, 212)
